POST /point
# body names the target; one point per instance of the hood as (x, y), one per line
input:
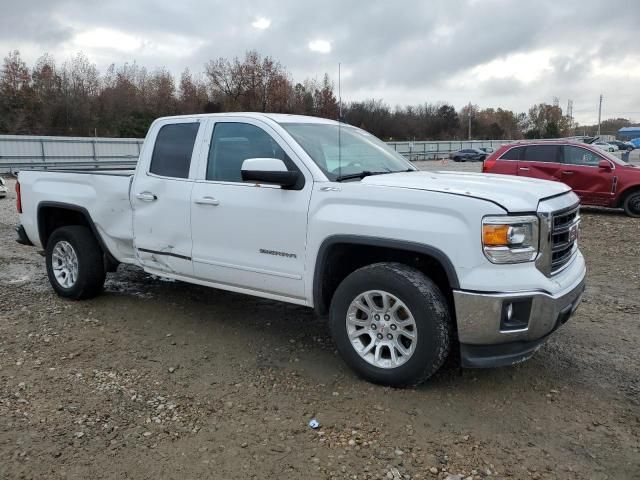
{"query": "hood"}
(514, 194)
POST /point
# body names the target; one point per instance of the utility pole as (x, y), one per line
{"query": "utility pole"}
(599, 114)
(469, 112)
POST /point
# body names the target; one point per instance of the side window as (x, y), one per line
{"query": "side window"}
(232, 143)
(542, 153)
(173, 149)
(513, 154)
(580, 156)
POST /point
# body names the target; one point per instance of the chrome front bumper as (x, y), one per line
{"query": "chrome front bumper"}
(488, 339)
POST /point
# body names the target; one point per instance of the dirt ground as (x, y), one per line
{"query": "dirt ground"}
(158, 379)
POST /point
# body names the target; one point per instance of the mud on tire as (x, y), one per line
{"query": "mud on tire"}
(89, 280)
(428, 309)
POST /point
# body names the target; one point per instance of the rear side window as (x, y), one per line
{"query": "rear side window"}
(173, 149)
(541, 153)
(513, 154)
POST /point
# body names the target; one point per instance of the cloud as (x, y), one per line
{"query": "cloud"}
(261, 23)
(320, 46)
(504, 53)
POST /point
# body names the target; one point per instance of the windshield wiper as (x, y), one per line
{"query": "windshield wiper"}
(360, 175)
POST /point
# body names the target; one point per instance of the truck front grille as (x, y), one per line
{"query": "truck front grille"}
(565, 226)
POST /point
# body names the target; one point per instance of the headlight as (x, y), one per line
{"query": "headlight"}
(508, 239)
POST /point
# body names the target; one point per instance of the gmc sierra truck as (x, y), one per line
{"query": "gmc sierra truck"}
(406, 263)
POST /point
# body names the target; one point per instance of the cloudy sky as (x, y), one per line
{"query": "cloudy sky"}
(489, 52)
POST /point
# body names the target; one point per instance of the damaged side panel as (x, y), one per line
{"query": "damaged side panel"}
(162, 227)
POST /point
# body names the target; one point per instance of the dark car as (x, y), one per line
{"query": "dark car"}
(469, 155)
(622, 145)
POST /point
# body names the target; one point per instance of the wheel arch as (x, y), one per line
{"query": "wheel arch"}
(53, 215)
(625, 193)
(339, 255)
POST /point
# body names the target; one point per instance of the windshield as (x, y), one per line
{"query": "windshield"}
(359, 152)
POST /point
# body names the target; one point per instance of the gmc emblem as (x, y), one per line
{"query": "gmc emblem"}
(573, 233)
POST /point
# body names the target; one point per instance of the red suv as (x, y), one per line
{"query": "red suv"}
(598, 177)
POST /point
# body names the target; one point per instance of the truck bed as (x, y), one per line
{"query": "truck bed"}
(103, 194)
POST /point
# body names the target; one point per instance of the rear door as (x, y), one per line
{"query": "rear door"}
(161, 197)
(580, 170)
(541, 161)
(506, 164)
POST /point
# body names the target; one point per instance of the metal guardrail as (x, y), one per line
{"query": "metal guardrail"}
(19, 152)
(441, 149)
(22, 152)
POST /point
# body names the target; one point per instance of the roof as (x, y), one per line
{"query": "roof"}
(276, 117)
(551, 141)
(629, 129)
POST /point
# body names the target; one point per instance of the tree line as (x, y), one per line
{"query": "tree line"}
(74, 98)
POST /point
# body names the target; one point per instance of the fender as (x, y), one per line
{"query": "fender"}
(407, 246)
(85, 213)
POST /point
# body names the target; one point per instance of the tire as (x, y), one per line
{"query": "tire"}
(456, 159)
(631, 204)
(416, 294)
(63, 244)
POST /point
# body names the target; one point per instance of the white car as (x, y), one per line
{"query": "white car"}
(408, 264)
(3, 188)
(607, 147)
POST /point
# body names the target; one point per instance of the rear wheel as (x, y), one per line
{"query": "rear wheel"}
(391, 324)
(631, 204)
(75, 265)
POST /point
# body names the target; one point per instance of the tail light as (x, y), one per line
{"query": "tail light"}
(18, 198)
(488, 164)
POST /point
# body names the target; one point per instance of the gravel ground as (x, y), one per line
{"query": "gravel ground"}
(159, 379)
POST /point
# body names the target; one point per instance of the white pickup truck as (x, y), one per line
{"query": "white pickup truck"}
(406, 263)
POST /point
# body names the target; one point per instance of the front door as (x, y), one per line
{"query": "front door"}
(248, 236)
(580, 171)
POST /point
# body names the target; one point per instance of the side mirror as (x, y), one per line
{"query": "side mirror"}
(269, 170)
(604, 165)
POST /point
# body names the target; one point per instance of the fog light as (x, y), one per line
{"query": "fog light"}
(509, 312)
(515, 314)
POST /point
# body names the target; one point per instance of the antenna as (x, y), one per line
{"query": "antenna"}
(339, 121)
(339, 93)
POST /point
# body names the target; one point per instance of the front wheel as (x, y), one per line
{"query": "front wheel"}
(75, 265)
(391, 324)
(631, 204)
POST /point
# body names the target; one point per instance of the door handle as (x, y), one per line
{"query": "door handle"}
(146, 196)
(208, 201)
(567, 172)
(524, 169)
